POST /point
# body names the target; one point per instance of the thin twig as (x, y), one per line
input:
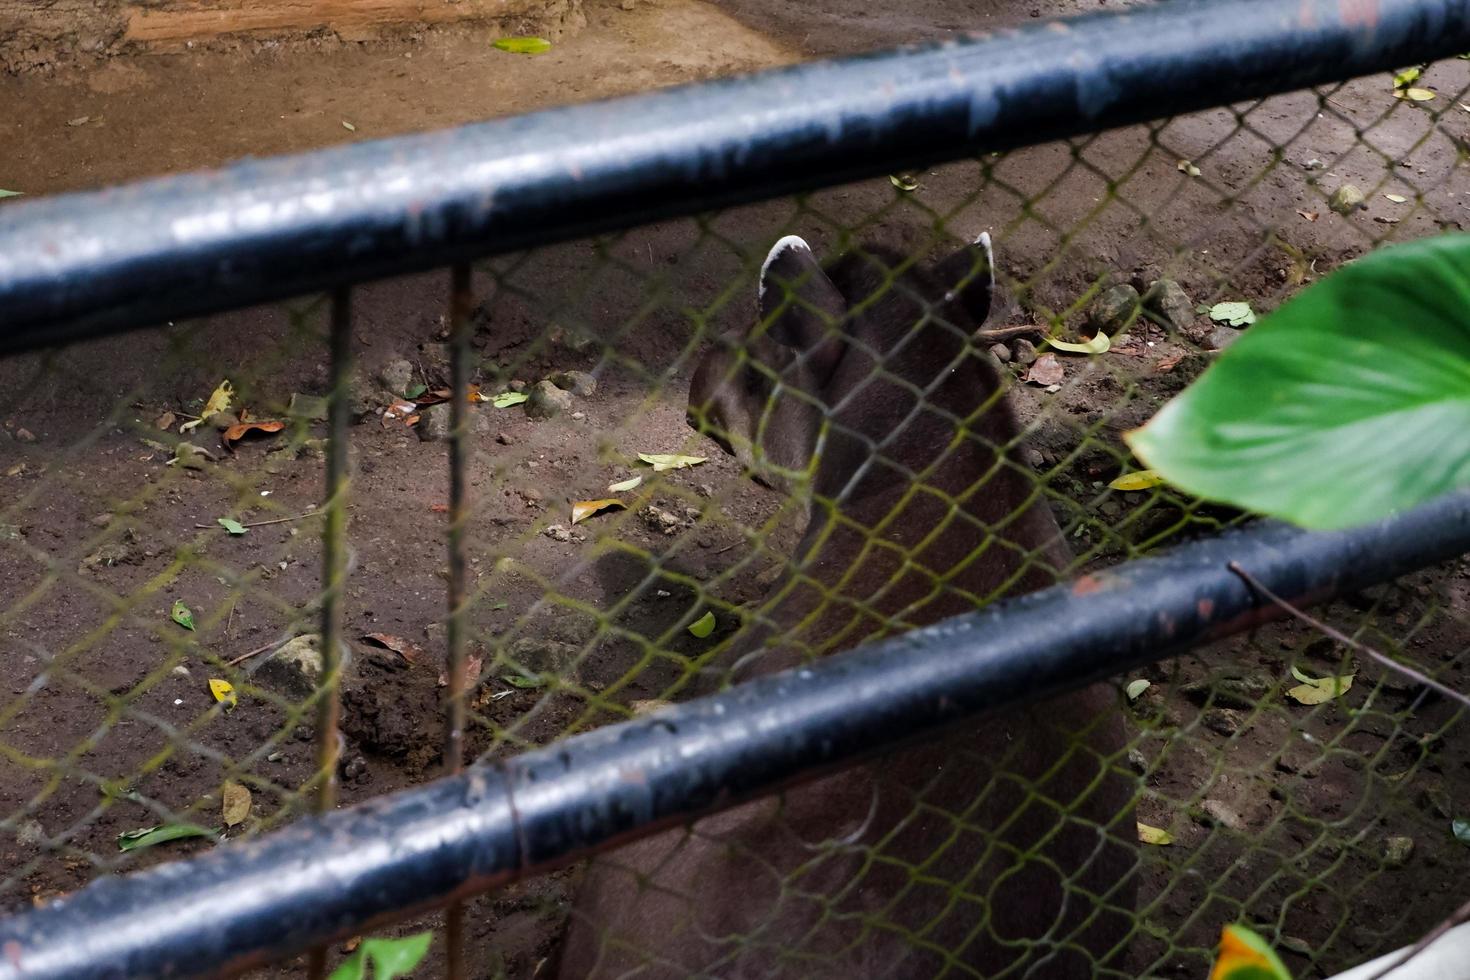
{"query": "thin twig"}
(230, 621)
(274, 520)
(1006, 333)
(253, 653)
(1348, 641)
(1458, 917)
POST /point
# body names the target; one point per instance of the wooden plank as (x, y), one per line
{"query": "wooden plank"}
(177, 21)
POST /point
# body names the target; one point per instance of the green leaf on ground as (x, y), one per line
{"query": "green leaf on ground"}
(181, 615)
(133, 840)
(524, 45)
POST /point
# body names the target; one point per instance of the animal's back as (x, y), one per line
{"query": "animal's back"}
(994, 851)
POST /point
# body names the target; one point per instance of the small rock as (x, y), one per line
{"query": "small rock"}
(548, 401)
(397, 376)
(180, 671)
(25, 435)
(1115, 309)
(1034, 459)
(517, 385)
(1346, 199)
(1024, 353)
(1222, 815)
(628, 4)
(558, 532)
(102, 520)
(579, 416)
(1437, 801)
(1314, 164)
(354, 770)
(364, 397)
(1001, 353)
(1300, 758)
(1222, 337)
(310, 407)
(1168, 299)
(434, 423)
(705, 490)
(1221, 721)
(1397, 851)
(541, 656)
(579, 383)
(662, 520)
(30, 834)
(504, 438)
(1229, 688)
(1137, 762)
(296, 666)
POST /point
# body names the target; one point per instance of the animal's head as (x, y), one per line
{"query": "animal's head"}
(765, 393)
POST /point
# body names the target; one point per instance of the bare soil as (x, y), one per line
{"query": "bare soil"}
(1281, 813)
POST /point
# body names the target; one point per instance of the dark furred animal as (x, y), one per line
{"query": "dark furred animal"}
(995, 851)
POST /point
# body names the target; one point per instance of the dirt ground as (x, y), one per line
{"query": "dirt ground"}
(1283, 815)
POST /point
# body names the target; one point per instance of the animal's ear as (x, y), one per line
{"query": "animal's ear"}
(968, 277)
(800, 307)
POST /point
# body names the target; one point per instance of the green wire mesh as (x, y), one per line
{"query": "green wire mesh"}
(1330, 828)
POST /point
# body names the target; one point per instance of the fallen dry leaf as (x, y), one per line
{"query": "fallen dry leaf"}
(1167, 364)
(438, 508)
(1309, 215)
(240, 430)
(1137, 480)
(1154, 835)
(405, 649)
(583, 509)
(236, 804)
(473, 664)
(165, 421)
(398, 410)
(434, 396)
(219, 401)
(1046, 371)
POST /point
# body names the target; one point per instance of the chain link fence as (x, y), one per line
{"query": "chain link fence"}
(162, 567)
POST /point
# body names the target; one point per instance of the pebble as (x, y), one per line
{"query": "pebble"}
(25, 435)
(1222, 815)
(558, 532)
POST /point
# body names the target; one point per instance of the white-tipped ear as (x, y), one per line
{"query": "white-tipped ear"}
(984, 242)
(785, 244)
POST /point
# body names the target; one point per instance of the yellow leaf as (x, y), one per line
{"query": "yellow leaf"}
(1140, 480)
(1099, 344)
(1154, 835)
(703, 626)
(218, 402)
(669, 461)
(583, 509)
(1396, 198)
(1317, 690)
(223, 691)
(626, 485)
(236, 803)
(1414, 94)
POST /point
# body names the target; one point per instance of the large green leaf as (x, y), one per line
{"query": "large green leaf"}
(1348, 403)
